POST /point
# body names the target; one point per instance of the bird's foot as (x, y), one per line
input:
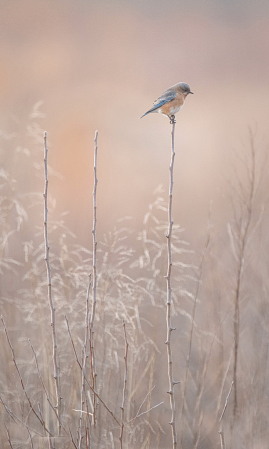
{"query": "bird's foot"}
(172, 119)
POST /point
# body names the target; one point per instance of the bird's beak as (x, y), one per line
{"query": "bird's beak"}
(190, 92)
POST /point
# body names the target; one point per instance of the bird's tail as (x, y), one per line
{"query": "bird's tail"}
(155, 108)
(146, 113)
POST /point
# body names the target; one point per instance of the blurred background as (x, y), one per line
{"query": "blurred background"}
(101, 64)
(71, 67)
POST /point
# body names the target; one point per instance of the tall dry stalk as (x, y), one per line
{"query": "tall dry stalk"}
(169, 294)
(94, 277)
(243, 234)
(52, 308)
(31, 406)
(83, 393)
(124, 390)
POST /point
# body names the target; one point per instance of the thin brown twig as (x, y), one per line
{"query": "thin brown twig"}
(31, 439)
(41, 379)
(12, 415)
(21, 380)
(83, 396)
(243, 234)
(94, 280)
(44, 387)
(138, 414)
(88, 383)
(221, 433)
(8, 436)
(50, 443)
(87, 437)
(124, 384)
(71, 437)
(169, 295)
(16, 419)
(52, 309)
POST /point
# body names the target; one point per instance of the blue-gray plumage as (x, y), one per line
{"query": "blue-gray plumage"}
(171, 101)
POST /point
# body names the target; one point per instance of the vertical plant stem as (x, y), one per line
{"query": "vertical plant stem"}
(124, 385)
(243, 238)
(83, 394)
(86, 380)
(40, 419)
(8, 437)
(31, 440)
(169, 297)
(221, 433)
(222, 441)
(94, 278)
(56, 368)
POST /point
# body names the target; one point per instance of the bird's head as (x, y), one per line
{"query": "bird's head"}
(184, 88)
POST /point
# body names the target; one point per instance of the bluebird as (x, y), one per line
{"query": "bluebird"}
(171, 101)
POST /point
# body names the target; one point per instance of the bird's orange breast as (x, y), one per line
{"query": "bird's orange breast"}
(173, 106)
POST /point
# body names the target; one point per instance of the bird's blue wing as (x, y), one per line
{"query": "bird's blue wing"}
(155, 107)
(167, 96)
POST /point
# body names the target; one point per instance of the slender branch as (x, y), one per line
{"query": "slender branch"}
(221, 433)
(244, 226)
(31, 439)
(94, 280)
(94, 229)
(143, 402)
(138, 415)
(86, 380)
(71, 438)
(124, 385)
(83, 397)
(8, 437)
(222, 441)
(12, 415)
(52, 309)
(21, 380)
(226, 402)
(50, 443)
(45, 389)
(16, 419)
(169, 295)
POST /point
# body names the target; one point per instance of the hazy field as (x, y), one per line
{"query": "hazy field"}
(73, 67)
